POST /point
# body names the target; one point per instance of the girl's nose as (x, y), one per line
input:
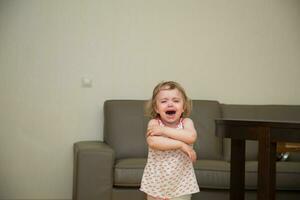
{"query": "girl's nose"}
(170, 103)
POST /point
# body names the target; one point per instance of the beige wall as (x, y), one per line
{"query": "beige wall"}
(235, 51)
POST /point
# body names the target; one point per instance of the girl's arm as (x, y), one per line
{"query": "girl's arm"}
(187, 135)
(160, 142)
(163, 143)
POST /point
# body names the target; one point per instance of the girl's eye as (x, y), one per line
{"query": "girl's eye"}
(163, 101)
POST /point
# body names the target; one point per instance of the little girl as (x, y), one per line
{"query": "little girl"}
(169, 172)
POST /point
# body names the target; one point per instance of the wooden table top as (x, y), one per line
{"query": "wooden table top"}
(248, 129)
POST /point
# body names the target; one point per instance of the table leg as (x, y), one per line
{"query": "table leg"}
(237, 170)
(266, 181)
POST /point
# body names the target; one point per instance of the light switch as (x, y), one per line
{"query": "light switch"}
(86, 82)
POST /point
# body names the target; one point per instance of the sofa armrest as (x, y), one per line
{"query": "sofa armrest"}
(93, 171)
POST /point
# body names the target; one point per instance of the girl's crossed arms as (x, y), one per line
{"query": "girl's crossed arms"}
(166, 138)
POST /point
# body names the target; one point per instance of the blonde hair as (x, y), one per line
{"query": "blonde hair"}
(167, 85)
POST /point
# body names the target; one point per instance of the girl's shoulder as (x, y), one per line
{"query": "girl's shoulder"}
(153, 122)
(187, 122)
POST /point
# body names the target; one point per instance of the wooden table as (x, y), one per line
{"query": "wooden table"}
(268, 133)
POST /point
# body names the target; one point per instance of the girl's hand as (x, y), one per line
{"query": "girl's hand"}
(155, 130)
(189, 151)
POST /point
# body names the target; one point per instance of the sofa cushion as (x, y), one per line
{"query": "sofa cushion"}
(216, 174)
(204, 113)
(212, 174)
(124, 128)
(129, 172)
(259, 112)
(287, 175)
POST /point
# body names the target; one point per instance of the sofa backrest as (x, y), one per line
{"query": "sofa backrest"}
(259, 112)
(124, 128)
(204, 113)
(125, 125)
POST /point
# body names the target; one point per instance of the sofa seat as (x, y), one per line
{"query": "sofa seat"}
(287, 175)
(210, 174)
(129, 172)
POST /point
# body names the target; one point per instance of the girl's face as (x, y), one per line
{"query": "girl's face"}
(170, 106)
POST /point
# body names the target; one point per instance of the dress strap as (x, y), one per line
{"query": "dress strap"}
(160, 122)
(180, 125)
(181, 120)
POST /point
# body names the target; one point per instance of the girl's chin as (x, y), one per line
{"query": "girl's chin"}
(171, 120)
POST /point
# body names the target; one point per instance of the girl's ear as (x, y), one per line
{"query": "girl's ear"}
(154, 106)
(155, 109)
(184, 107)
(184, 110)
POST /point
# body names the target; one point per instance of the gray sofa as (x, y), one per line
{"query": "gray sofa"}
(112, 169)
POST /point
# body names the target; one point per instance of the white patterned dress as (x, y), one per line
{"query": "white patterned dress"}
(169, 174)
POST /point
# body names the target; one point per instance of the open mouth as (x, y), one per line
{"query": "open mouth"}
(171, 112)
